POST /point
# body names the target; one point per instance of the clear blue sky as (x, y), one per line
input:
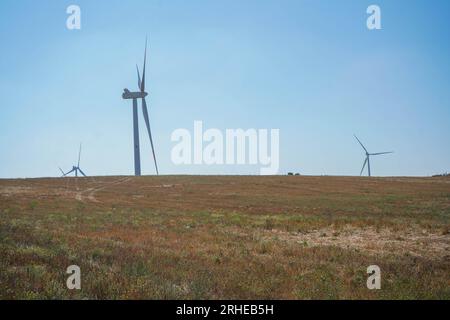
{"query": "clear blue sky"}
(310, 68)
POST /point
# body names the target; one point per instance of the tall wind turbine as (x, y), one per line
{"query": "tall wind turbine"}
(141, 94)
(367, 160)
(76, 168)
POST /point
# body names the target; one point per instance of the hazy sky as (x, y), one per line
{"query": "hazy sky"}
(310, 68)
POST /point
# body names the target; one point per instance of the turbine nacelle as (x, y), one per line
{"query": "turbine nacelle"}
(133, 95)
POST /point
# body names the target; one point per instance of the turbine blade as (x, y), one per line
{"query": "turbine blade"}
(143, 71)
(61, 171)
(82, 172)
(378, 153)
(361, 144)
(79, 156)
(69, 172)
(139, 78)
(364, 165)
(147, 123)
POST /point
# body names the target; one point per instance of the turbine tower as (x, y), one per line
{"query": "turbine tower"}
(76, 168)
(141, 94)
(367, 160)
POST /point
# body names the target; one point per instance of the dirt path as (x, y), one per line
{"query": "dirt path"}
(90, 192)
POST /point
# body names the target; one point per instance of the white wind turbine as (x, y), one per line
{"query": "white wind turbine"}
(367, 160)
(76, 168)
(141, 94)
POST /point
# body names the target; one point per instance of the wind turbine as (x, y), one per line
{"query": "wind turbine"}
(141, 94)
(76, 168)
(367, 160)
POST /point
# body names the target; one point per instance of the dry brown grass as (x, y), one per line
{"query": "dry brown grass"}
(225, 237)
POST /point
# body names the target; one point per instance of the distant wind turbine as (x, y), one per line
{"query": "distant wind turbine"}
(141, 94)
(367, 160)
(76, 168)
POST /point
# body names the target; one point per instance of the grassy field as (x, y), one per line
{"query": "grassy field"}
(225, 237)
